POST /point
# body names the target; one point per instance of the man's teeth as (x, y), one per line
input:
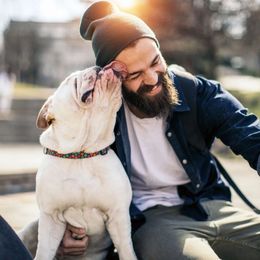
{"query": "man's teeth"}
(155, 87)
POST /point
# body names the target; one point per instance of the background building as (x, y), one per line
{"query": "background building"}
(44, 53)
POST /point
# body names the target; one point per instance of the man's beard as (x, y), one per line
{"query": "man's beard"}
(153, 106)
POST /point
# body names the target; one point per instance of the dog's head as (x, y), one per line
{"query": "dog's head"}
(76, 90)
(82, 110)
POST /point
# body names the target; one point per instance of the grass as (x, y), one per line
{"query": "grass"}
(30, 91)
(250, 100)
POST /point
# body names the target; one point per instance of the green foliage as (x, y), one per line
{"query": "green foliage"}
(250, 100)
(30, 91)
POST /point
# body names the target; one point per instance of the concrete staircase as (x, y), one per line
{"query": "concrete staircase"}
(16, 183)
(19, 129)
(20, 126)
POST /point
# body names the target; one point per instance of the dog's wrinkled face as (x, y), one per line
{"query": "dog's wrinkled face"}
(76, 92)
(84, 84)
(82, 108)
(78, 87)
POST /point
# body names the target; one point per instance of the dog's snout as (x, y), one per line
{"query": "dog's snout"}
(98, 69)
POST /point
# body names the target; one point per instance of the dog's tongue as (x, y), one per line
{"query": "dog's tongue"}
(118, 67)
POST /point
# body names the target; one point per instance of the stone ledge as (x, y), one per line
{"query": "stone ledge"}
(15, 183)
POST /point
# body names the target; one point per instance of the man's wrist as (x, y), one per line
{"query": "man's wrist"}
(258, 165)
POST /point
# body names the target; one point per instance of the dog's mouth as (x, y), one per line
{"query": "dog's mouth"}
(88, 95)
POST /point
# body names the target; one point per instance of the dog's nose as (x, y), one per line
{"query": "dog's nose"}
(98, 69)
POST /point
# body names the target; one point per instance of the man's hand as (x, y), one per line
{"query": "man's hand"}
(74, 242)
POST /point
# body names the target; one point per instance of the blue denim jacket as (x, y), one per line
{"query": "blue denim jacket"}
(219, 115)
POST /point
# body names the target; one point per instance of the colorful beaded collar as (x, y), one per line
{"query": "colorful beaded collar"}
(76, 155)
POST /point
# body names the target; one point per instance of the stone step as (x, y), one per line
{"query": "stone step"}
(20, 126)
(33, 138)
(19, 131)
(14, 183)
(27, 104)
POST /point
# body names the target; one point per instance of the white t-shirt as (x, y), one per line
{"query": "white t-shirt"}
(156, 170)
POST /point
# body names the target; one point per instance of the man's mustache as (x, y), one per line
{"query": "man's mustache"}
(147, 88)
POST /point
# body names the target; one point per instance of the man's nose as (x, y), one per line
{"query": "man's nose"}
(150, 78)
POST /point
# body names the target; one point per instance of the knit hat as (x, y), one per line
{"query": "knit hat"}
(111, 30)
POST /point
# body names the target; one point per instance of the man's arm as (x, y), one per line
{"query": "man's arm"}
(221, 115)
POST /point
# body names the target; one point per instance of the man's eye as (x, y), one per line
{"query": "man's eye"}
(134, 77)
(156, 62)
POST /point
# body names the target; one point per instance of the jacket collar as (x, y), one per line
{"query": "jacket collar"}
(182, 106)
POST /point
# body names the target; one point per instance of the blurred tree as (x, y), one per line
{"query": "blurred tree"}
(192, 31)
(252, 35)
(21, 50)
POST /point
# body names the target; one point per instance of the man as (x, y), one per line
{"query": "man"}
(181, 208)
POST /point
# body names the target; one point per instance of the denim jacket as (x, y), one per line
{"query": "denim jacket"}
(220, 115)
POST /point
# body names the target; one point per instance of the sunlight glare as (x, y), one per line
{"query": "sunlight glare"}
(126, 3)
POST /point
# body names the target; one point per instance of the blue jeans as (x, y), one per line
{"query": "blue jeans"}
(11, 246)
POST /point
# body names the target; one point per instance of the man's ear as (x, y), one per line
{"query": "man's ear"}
(44, 119)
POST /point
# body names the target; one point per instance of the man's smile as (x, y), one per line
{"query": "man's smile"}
(155, 90)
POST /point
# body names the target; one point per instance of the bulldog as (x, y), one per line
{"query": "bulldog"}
(81, 180)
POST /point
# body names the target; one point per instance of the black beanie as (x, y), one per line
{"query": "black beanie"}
(111, 30)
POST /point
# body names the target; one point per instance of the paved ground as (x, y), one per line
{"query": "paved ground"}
(19, 158)
(20, 209)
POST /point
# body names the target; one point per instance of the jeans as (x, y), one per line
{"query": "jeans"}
(229, 233)
(11, 246)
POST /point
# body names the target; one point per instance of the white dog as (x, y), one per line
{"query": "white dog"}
(93, 192)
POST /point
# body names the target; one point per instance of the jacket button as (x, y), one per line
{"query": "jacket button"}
(124, 163)
(184, 161)
(118, 133)
(169, 134)
(197, 185)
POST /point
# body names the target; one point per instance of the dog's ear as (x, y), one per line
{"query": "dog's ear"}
(44, 119)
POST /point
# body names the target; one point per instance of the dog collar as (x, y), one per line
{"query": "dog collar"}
(75, 155)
